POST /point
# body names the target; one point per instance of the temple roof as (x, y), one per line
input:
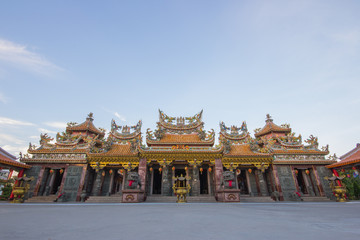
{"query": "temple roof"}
(351, 157)
(126, 131)
(10, 161)
(117, 149)
(185, 139)
(271, 127)
(243, 150)
(182, 123)
(234, 133)
(87, 126)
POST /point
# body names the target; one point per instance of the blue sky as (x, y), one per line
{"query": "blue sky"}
(237, 60)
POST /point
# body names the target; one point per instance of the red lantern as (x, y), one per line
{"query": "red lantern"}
(342, 170)
(307, 172)
(173, 168)
(250, 170)
(61, 171)
(151, 169)
(121, 171)
(210, 169)
(201, 170)
(296, 172)
(238, 171)
(111, 171)
(186, 168)
(51, 171)
(160, 169)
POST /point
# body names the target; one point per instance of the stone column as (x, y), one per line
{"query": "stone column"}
(318, 182)
(83, 181)
(210, 184)
(248, 181)
(196, 182)
(257, 182)
(112, 175)
(277, 183)
(63, 179)
(218, 171)
(124, 180)
(142, 173)
(263, 186)
(166, 182)
(97, 183)
(39, 181)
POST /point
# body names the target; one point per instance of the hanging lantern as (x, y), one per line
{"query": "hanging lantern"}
(103, 173)
(238, 171)
(173, 168)
(160, 169)
(210, 169)
(250, 170)
(51, 171)
(307, 172)
(201, 170)
(151, 169)
(121, 171)
(111, 171)
(296, 172)
(61, 171)
(186, 168)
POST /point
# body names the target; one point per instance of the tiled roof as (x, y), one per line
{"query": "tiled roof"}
(272, 127)
(6, 160)
(181, 139)
(59, 150)
(298, 151)
(117, 150)
(88, 125)
(243, 150)
(354, 158)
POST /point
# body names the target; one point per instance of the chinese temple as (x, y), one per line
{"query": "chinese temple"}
(83, 164)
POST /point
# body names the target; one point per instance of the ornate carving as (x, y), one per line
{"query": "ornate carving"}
(45, 139)
(312, 141)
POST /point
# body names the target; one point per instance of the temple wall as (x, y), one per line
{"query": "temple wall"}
(34, 171)
(286, 182)
(106, 184)
(72, 182)
(253, 191)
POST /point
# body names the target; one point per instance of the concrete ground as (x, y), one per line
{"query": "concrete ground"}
(158, 221)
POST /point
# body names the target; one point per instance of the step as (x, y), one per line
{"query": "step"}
(316, 199)
(255, 199)
(41, 199)
(105, 199)
(190, 199)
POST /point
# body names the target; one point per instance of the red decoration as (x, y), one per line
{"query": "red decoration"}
(111, 171)
(61, 171)
(160, 169)
(342, 170)
(238, 171)
(201, 170)
(296, 172)
(307, 172)
(354, 168)
(51, 171)
(186, 168)
(173, 168)
(210, 169)
(250, 170)
(151, 169)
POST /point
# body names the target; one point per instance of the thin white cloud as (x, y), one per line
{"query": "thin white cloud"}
(12, 122)
(350, 37)
(6, 139)
(3, 98)
(56, 124)
(43, 130)
(15, 150)
(120, 117)
(19, 56)
(34, 137)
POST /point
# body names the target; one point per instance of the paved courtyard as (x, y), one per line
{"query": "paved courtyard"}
(181, 221)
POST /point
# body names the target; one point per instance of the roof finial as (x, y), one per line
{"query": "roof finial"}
(268, 118)
(90, 116)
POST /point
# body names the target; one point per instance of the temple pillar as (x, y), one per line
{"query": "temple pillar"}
(263, 185)
(257, 182)
(318, 182)
(196, 182)
(218, 171)
(248, 181)
(112, 175)
(39, 180)
(63, 180)
(124, 180)
(84, 175)
(142, 173)
(166, 182)
(277, 183)
(97, 184)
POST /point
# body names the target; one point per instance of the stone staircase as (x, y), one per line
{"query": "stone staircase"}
(316, 199)
(172, 199)
(42, 199)
(255, 199)
(115, 198)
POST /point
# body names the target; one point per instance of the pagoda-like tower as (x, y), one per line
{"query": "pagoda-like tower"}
(61, 166)
(297, 167)
(180, 146)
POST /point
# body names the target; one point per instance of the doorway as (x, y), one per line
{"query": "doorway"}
(204, 186)
(157, 178)
(301, 182)
(57, 181)
(242, 182)
(179, 172)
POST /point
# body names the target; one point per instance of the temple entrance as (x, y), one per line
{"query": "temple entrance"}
(242, 183)
(117, 187)
(57, 181)
(301, 182)
(157, 178)
(204, 186)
